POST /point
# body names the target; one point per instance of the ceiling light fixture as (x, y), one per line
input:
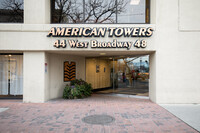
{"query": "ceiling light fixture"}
(102, 53)
(134, 2)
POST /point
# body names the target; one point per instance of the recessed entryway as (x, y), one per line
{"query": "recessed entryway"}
(119, 74)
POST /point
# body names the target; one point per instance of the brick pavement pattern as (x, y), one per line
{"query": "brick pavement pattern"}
(62, 116)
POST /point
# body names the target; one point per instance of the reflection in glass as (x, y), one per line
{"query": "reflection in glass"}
(132, 75)
(11, 11)
(86, 11)
(134, 12)
(99, 11)
(120, 75)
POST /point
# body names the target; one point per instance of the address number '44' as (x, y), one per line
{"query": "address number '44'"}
(140, 44)
(59, 44)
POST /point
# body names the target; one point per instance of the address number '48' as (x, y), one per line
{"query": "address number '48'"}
(140, 44)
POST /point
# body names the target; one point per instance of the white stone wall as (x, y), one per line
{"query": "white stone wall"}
(177, 51)
(34, 77)
(56, 71)
(34, 37)
(47, 77)
(36, 12)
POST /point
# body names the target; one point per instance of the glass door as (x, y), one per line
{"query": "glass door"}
(119, 75)
(131, 75)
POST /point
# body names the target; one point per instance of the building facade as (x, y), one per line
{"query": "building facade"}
(38, 49)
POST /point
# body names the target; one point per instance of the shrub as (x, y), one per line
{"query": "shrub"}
(78, 88)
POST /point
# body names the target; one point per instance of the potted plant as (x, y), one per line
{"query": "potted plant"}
(78, 88)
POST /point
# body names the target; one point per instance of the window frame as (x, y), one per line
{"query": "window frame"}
(147, 16)
(15, 22)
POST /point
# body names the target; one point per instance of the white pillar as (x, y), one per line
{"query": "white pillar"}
(34, 77)
(153, 11)
(47, 73)
(37, 11)
(152, 81)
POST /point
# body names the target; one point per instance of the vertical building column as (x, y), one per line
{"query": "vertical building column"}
(47, 73)
(37, 12)
(34, 77)
(153, 11)
(152, 81)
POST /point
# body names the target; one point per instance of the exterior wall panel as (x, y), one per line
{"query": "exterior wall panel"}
(177, 52)
(56, 71)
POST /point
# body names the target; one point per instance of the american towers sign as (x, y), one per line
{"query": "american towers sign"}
(68, 32)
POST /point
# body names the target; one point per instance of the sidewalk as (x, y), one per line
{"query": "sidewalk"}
(131, 115)
(189, 113)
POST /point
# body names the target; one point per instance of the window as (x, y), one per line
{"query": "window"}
(11, 11)
(100, 11)
(11, 74)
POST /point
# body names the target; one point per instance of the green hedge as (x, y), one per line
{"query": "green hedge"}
(77, 89)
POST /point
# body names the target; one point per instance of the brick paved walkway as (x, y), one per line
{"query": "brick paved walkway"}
(131, 115)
